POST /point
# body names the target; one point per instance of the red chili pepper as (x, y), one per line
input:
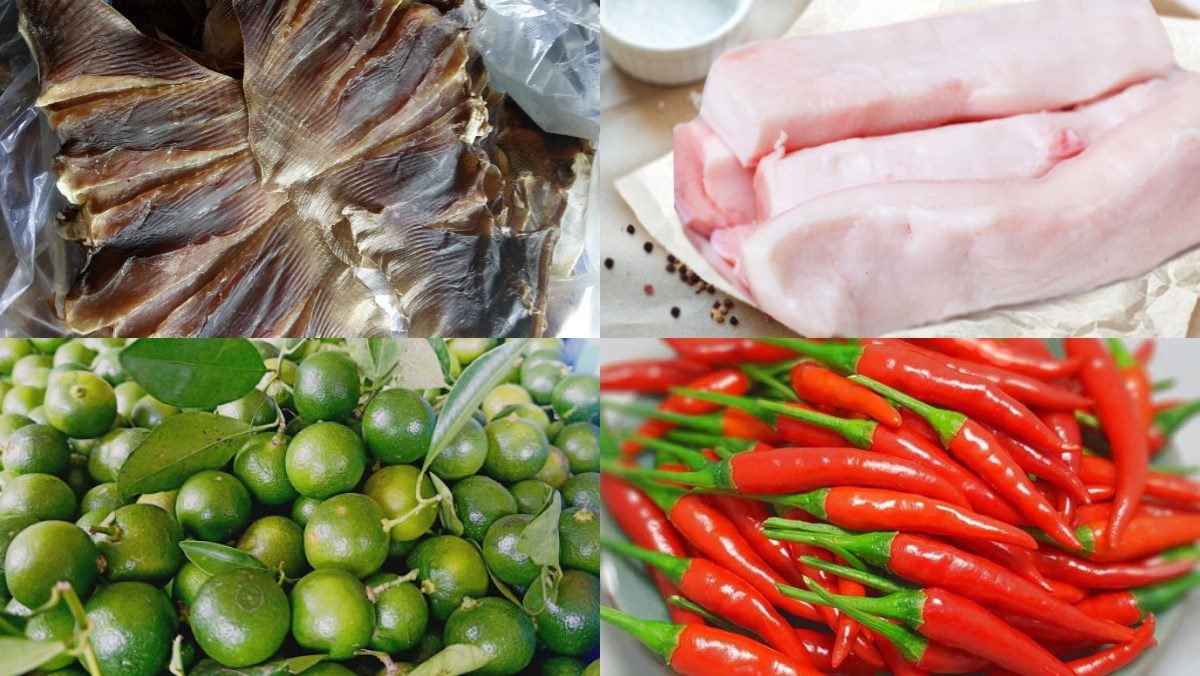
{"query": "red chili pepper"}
(748, 516)
(884, 509)
(1066, 427)
(731, 423)
(698, 650)
(729, 381)
(931, 380)
(847, 629)
(796, 470)
(650, 376)
(1052, 470)
(821, 386)
(1074, 570)
(867, 434)
(1065, 592)
(645, 524)
(1121, 420)
(1016, 559)
(1137, 380)
(718, 540)
(723, 593)
(1147, 533)
(981, 452)
(1029, 391)
(993, 353)
(1144, 352)
(820, 649)
(1131, 606)
(728, 351)
(948, 618)
(929, 562)
(1111, 659)
(1096, 471)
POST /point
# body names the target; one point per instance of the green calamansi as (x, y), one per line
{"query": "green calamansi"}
(133, 625)
(503, 396)
(107, 365)
(11, 350)
(503, 555)
(139, 543)
(22, 399)
(555, 471)
(531, 495)
(325, 459)
(10, 526)
(32, 370)
(41, 496)
(398, 426)
(450, 569)
(11, 422)
(213, 506)
(261, 464)
(569, 623)
(394, 489)
(346, 532)
(55, 624)
(240, 617)
(562, 666)
(579, 539)
(467, 350)
(580, 442)
(465, 453)
(327, 387)
(164, 499)
(517, 449)
(331, 613)
(149, 412)
(255, 408)
(576, 398)
(278, 542)
(74, 352)
(499, 627)
(479, 501)
(81, 405)
(540, 377)
(582, 490)
(128, 394)
(112, 450)
(36, 449)
(188, 582)
(46, 553)
(106, 496)
(401, 613)
(302, 510)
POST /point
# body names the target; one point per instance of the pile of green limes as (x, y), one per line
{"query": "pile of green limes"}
(328, 543)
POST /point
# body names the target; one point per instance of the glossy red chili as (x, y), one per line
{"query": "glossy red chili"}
(1111, 659)
(780, 471)
(948, 618)
(931, 380)
(995, 353)
(1147, 533)
(1137, 380)
(724, 594)
(1066, 427)
(1097, 471)
(1130, 606)
(650, 376)
(1065, 567)
(929, 562)
(1052, 469)
(870, 509)
(748, 516)
(728, 351)
(1122, 422)
(645, 524)
(981, 452)
(819, 385)
(820, 649)
(729, 381)
(699, 650)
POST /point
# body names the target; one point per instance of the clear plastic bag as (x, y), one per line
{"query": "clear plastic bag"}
(545, 54)
(37, 265)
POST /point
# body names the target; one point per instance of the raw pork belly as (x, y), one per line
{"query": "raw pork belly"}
(1045, 55)
(880, 258)
(712, 189)
(1022, 146)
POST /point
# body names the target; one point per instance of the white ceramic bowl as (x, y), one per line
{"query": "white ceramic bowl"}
(676, 64)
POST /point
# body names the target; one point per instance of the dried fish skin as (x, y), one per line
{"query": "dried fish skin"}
(222, 38)
(327, 80)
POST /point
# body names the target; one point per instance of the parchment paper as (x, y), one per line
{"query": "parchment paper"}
(1165, 302)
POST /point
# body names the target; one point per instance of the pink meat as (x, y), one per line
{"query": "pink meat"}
(880, 258)
(712, 189)
(1043, 55)
(1022, 146)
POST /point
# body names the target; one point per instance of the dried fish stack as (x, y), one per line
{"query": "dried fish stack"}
(361, 136)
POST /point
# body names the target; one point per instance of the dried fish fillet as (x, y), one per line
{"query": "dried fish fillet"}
(173, 217)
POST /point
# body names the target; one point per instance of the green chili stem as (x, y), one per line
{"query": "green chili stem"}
(1170, 420)
(761, 375)
(857, 432)
(693, 459)
(673, 566)
(660, 637)
(838, 355)
(910, 645)
(690, 606)
(944, 421)
(869, 579)
(1158, 597)
(904, 606)
(700, 422)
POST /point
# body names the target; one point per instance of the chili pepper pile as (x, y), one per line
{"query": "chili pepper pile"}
(910, 506)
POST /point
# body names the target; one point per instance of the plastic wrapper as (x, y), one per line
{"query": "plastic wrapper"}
(545, 54)
(37, 265)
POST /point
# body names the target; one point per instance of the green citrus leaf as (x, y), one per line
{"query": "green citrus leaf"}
(539, 538)
(22, 655)
(460, 658)
(376, 357)
(181, 446)
(545, 587)
(214, 558)
(194, 373)
(479, 378)
(446, 510)
(443, 355)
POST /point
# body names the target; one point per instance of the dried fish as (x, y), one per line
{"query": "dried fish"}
(361, 137)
